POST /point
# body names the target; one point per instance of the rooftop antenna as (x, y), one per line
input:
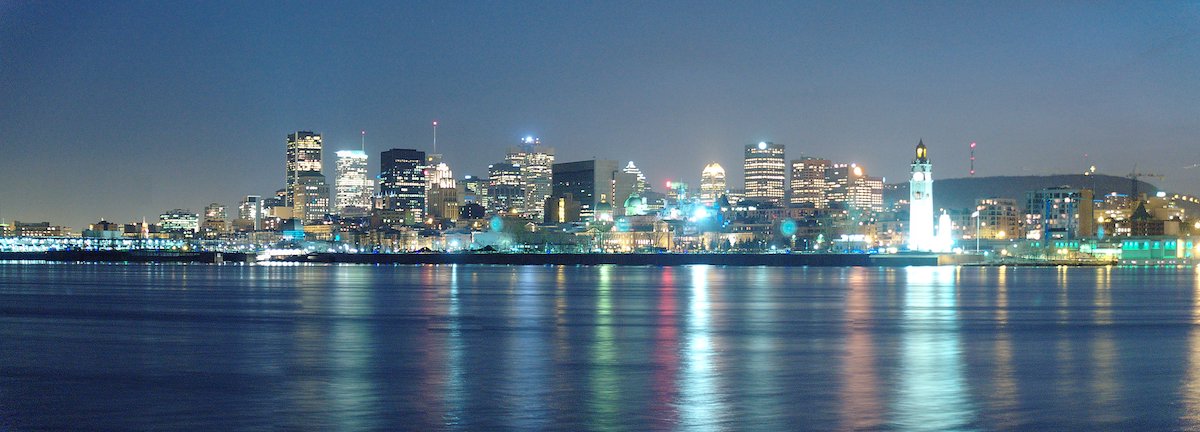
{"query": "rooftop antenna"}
(972, 158)
(435, 137)
(364, 141)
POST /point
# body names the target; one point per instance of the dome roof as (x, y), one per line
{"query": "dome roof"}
(714, 168)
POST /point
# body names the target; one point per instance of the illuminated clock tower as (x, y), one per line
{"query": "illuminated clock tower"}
(920, 202)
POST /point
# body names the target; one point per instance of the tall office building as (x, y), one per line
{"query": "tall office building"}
(920, 202)
(214, 220)
(310, 197)
(250, 213)
(303, 155)
(849, 187)
(402, 181)
(179, 223)
(590, 183)
(535, 162)
(505, 192)
(306, 191)
(808, 182)
(473, 189)
(765, 172)
(442, 195)
(712, 183)
(354, 187)
(639, 185)
(1060, 213)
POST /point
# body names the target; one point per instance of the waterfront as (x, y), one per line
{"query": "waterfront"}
(352, 347)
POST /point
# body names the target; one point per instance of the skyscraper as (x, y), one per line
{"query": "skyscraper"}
(808, 182)
(712, 183)
(473, 189)
(250, 213)
(311, 197)
(353, 187)
(442, 195)
(402, 181)
(214, 220)
(303, 155)
(854, 189)
(505, 192)
(765, 172)
(535, 162)
(920, 202)
(639, 185)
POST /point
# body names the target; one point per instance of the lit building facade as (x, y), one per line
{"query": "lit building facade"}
(999, 219)
(505, 192)
(852, 189)
(353, 188)
(712, 183)
(402, 181)
(809, 187)
(1060, 213)
(639, 182)
(443, 192)
(303, 156)
(214, 220)
(311, 197)
(250, 213)
(765, 172)
(920, 202)
(179, 223)
(536, 163)
(473, 189)
(592, 182)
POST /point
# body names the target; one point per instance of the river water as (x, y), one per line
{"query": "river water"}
(355, 347)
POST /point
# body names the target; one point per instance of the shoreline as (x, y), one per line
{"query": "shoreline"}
(662, 259)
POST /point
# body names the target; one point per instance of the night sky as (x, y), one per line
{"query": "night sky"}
(124, 110)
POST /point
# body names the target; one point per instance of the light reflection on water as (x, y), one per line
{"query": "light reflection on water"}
(598, 348)
(1191, 384)
(700, 402)
(932, 386)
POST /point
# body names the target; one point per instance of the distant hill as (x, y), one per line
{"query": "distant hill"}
(962, 192)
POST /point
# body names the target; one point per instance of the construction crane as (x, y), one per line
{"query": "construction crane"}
(1133, 178)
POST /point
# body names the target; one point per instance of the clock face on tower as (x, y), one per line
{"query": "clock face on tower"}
(919, 176)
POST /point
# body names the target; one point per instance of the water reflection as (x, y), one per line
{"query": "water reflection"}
(933, 392)
(1191, 384)
(526, 360)
(1004, 384)
(351, 389)
(1064, 301)
(598, 348)
(666, 355)
(1002, 295)
(861, 407)
(455, 395)
(605, 398)
(1102, 305)
(701, 402)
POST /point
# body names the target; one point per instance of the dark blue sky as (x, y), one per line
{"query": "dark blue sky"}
(123, 110)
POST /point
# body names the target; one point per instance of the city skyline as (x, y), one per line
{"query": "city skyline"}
(180, 129)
